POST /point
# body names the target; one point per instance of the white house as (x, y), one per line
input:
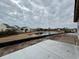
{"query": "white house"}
(3, 27)
(25, 29)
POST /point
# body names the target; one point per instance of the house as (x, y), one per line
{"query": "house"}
(4, 27)
(25, 29)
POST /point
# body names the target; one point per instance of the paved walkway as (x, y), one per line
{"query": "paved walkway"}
(48, 49)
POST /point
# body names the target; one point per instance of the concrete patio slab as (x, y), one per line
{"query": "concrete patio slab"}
(48, 49)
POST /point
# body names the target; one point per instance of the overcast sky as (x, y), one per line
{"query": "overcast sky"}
(38, 13)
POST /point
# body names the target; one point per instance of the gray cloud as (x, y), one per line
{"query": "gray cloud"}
(38, 13)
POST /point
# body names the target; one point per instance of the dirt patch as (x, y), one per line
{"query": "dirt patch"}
(71, 39)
